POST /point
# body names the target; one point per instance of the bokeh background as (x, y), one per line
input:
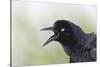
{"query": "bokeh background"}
(29, 17)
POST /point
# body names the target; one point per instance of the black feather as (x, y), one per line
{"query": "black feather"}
(80, 46)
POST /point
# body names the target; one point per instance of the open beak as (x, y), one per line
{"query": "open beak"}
(52, 38)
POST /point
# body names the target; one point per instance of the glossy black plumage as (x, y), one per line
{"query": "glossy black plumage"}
(80, 46)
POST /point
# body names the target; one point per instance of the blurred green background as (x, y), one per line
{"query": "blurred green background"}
(27, 39)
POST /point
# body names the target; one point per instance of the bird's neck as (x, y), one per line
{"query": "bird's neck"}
(69, 48)
(73, 44)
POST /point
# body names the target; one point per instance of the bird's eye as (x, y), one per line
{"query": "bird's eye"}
(62, 30)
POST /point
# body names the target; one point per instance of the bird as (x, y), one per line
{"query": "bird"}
(77, 44)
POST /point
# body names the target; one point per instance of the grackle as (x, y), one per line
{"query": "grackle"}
(78, 45)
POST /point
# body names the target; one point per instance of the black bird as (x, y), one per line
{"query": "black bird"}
(80, 46)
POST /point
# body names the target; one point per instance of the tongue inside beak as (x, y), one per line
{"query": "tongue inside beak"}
(52, 38)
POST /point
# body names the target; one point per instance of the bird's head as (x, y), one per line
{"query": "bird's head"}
(63, 32)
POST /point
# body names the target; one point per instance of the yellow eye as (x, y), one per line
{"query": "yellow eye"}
(62, 30)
